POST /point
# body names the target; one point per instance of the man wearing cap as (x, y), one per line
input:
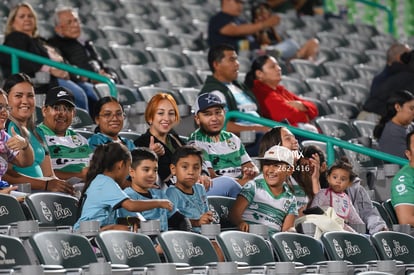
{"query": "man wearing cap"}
(223, 152)
(268, 200)
(69, 151)
(222, 60)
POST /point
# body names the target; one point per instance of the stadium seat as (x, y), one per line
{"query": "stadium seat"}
(82, 119)
(343, 108)
(134, 56)
(189, 94)
(307, 69)
(392, 245)
(198, 59)
(351, 55)
(359, 42)
(120, 36)
(348, 246)
(53, 209)
(336, 128)
(323, 108)
(142, 23)
(187, 247)
(342, 26)
(11, 211)
(355, 92)
(158, 39)
(390, 211)
(340, 72)
(325, 89)
(13, 254)
(141, 75)
(331, 39)
(170, 59)
(109, 18)
(376, 58)
(383, 213)
(181, 78)
(364, 128)
(220, 207)
(294, 85)
(245, 247)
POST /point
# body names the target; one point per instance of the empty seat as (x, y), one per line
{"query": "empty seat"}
(135, 56)
(142, 75)
(340, 72)
(325, 89)
(331, 39)
(10, 210)
(182, 78)
(364, 128)
(158, 39)
(355, 92)
(294, 85)
(343, 108)
(336, 128)
(307, 69)
(351, 56)
(170, 59)
(119, 36)
(82, 119)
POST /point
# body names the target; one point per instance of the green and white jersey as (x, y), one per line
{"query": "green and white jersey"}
(266, 208)
(402, 187)
(226, 156)
(70, 153)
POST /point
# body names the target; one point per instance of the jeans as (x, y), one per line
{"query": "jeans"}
(81, 100)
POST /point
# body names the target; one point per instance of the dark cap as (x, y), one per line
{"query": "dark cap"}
(206, 101)
(59, 94)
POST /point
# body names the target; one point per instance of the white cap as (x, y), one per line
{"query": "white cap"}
(279, 153)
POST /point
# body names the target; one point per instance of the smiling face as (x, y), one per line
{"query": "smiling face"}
(24, 21)
(164, 119)
(58, 117)
(275, 173)
(144, 175)
(110, 119)
(288, 139)
(22, 101)
(339, 180)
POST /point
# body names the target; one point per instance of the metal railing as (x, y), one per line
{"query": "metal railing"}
(16, 54)
(330, 141)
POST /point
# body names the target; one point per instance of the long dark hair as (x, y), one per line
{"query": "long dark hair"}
(257, 64)
(399, 97)
(269, 139)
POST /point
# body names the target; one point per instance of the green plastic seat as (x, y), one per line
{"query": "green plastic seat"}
(392, 245)
(187, 247)
(348, 246)
(390, 211)
(220, 206)
(10, 210)
(245, 247)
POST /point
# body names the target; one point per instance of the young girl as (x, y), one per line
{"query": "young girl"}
(340, 177)
(188, 196)
(268, 200)
(102, 195)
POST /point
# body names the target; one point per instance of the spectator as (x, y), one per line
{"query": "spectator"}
(143, 172)
(187, 195)
(402, 187)
(223, 152)
(275, 101)
(223, 63)
(304, 189)
(340, 177)
(357, 193)
(397, 75)
(268, 200)
(102, 195)
(161, 115)
(109, 117)
(14, 148)
(21, 33)
(287, 48)
(69, 151)
(396, 123)
(228, 28)
(40, 174)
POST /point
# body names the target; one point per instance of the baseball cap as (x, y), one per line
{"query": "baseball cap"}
(279, 153)
(59, 94)
(206, 101)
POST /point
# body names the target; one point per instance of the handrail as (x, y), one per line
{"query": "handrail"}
(384, 8)
(330, 141)
(16, 53)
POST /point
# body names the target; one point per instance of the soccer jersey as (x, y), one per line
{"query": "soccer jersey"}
(266, 208)
(103, 198)
(70, 153)
(402, 187)
(226, 156)
(161, 214)
(192, 206)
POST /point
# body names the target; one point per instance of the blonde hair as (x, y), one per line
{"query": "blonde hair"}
(12, 17)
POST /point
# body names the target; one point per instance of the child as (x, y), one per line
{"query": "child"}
(340, 176)
(143, 172)
(268, 200)
(102, 195)
(188, 196)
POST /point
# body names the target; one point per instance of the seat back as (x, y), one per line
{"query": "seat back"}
(392, 245)
(325, 89)
(343, 108)
(187, 247)
(82, 119)
(12, 252)
(53, 209)
(10, 210)
(296, 247)
(390, 211)
(336, 128)
(62, 248)
(245, 247)
(220, 207)
(348, 246)
(123, 247)
(383, 213)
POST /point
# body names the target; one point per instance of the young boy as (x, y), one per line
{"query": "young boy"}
(143, 172)
(268, 200)
(187, 195)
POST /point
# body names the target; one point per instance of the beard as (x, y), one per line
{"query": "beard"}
(207, 132)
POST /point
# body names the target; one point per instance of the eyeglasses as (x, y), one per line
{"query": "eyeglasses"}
(5, 108)
(109, 116)
(62, 108)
